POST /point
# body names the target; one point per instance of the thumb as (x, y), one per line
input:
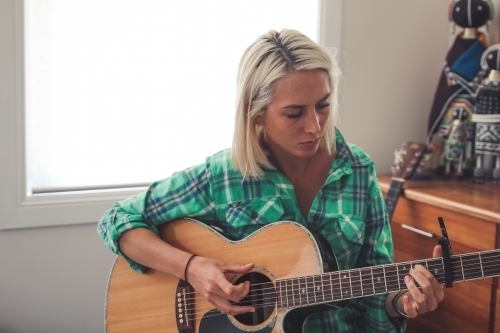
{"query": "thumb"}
(438, 251)
(234, 268)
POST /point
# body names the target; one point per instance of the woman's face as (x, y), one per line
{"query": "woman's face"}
(294, 121)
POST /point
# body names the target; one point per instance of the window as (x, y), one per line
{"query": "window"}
(75, 82)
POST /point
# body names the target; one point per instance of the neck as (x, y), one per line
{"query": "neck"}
(293, 166)
(494, 75)
(470, 33)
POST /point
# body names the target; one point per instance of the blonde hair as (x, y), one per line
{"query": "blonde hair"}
(271, 57)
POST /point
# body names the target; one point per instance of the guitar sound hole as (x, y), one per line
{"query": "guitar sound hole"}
(262, 297)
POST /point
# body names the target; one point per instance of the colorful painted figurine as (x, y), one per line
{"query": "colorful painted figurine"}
(456, 137)
(460, 76)
(487, 117)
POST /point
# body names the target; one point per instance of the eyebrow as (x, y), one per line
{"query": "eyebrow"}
(297, 106)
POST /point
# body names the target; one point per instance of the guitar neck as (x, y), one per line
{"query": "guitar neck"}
(360, 282)
(393, 194)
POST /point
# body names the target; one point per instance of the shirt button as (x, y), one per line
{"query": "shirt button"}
(254, 215)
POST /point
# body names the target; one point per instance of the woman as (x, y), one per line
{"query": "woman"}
(287, 162)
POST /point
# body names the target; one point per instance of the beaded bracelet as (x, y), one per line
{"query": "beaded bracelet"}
(394, 303)
(186, 268)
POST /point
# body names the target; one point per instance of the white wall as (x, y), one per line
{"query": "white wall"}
(392, 55)
(54, 279)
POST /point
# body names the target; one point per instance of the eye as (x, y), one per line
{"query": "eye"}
(292, 116)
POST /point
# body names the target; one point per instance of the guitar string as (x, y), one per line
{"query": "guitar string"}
(291, 307)
(383, 291)
(360, 281)
(308, 303)
(388, 274)
(273, 304)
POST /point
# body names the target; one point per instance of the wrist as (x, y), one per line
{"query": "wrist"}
(186, 267)
(398, 304)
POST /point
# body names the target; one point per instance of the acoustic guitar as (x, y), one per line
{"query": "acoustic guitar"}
(288, 274)
(407, 161)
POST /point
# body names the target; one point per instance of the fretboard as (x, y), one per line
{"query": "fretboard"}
(360, 282)
(393, 194)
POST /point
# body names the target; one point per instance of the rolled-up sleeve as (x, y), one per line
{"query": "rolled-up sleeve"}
(184, 194)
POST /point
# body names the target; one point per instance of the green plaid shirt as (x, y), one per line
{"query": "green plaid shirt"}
(349, 211)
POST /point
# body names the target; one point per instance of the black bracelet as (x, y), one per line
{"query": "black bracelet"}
(394, 303)
(186, 268)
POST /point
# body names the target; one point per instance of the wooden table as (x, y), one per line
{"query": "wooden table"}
(472, 216)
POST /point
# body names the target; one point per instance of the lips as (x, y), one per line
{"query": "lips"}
(311, 143)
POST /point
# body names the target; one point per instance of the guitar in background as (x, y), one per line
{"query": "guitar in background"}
(407, 160)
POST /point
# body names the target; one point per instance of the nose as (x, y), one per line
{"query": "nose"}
(312, 124)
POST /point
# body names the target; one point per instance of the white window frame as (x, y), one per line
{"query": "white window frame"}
(17, 208)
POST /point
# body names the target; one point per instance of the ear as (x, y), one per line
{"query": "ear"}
(258, 120)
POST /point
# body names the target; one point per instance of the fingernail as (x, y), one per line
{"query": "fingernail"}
(417, 266)
(407, 278)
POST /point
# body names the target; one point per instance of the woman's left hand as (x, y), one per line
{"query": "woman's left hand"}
(419, 300)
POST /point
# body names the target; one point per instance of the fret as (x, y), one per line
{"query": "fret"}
(336, 286)
(361, 282)
(327, 287)
(288, 293)
(373, 283)
(436, 268)
(366, 281)
(385, 278)
(304, 300)
(403, 270)
(472, 266)
(350, 281)
(391, 277)
(319, 297)
(462, 266)
(378, 280)
(295, 291)
(345, 285)
(481, 264)
(311, 295)
(356, 289)
(491, 264)
(280, 292)
(456, 268)
(398, 277)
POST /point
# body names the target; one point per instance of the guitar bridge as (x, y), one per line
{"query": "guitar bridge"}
(184, 307)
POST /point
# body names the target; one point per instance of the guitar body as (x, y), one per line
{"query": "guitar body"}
(149, 302)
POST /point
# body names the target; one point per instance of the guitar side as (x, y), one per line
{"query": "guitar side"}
(147, 302)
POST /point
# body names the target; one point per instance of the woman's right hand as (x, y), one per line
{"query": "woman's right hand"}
(207, 277)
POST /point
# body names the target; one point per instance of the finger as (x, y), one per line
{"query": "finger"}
(417, 298)
(424, 279)
(409, 309)
(234, 292)
(234, 268)
(437, 289)
(225, 307)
